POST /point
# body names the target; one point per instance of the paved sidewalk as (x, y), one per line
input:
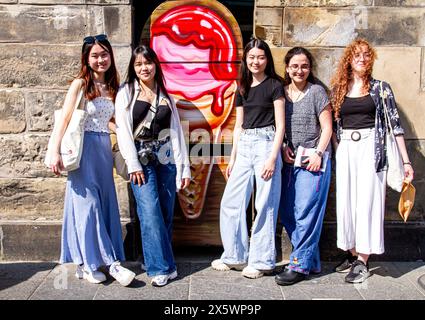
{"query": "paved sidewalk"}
(197, 281)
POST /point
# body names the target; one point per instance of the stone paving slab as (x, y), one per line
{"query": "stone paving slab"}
(61, 284)
(239, 288)
(19, 280)
(387, 282)
(320, 292)
(198, 281)
(413, 272)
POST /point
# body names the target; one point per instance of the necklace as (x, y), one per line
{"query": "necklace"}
(147, 91)
(299, 94)
(101, 85)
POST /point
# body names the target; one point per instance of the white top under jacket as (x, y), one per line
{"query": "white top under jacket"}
(124, 123)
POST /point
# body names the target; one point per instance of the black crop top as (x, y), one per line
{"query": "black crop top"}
(358, 113)
(161, 121)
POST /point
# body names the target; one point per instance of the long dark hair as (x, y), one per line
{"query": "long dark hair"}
(151, 56)
(293, 52)
(86, 73)
(245, 80)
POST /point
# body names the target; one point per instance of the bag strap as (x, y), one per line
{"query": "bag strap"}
(386, 115)
(138, 129)
(152, 111)
(78, 101)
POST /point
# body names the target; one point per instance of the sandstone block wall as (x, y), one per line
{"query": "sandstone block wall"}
(395, 28)
(40, 46)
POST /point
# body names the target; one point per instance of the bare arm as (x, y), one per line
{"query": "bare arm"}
(408, 169)
(279, 113)
(236, 134)
(112, 126)
(325, 119)
(67, 110)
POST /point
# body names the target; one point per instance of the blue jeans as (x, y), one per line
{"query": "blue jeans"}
(254, 148)
(155, 208)
(302, 208)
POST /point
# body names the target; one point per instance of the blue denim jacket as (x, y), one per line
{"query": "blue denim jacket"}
(380, 128)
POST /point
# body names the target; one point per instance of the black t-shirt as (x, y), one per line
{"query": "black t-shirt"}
(258, 108)
(358, 113)
(161, 121)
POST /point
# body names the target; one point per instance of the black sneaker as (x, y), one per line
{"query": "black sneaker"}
(359, 272)
(345, 264)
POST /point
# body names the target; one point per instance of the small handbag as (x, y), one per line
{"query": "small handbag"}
(71, 147)
(119, 161)
(407, 200)
(395, 172)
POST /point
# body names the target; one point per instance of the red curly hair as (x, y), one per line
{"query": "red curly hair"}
(344, 74)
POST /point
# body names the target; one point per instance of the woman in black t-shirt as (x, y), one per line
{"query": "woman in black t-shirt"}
(257, 140)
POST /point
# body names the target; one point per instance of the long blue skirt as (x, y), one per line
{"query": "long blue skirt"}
(91, 233)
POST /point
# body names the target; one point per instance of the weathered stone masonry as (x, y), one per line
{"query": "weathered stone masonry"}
(40, 46)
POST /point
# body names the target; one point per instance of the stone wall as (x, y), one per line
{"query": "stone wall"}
(40, 47)
(397, 30)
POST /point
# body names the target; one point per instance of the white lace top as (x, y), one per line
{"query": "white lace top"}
(100, 110)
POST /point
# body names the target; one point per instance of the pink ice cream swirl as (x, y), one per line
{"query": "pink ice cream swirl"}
(198, 53)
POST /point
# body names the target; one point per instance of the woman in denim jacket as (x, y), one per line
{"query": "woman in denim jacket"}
(361, 161)
(257, 141)
(157, 160)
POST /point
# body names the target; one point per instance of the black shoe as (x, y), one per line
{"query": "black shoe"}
(289, 277)
(359, 272)
(345, 264)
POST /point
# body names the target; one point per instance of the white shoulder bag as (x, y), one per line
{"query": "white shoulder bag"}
(71, 147)
(395, 173)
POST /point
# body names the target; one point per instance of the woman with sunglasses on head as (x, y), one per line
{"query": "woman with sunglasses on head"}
(305, 184)
(257, 141)
(156, 158)
(91, 233)
(357, 100)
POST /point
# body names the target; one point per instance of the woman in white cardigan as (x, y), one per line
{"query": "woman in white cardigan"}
(157, 160)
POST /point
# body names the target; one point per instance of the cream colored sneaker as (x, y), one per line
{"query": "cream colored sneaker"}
(252, 273)
(221, 266)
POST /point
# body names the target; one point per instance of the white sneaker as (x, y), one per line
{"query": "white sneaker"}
(121, 274)
(92, 277)
(161, 280)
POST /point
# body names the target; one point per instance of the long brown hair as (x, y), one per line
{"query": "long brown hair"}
(86, 73)
(344, 74)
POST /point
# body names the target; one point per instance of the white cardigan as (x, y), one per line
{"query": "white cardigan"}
(124, 123)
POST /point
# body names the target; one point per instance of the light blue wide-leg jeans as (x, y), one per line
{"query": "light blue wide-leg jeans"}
(254, 148)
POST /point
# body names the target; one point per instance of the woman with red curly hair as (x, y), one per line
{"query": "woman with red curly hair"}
(361, 161)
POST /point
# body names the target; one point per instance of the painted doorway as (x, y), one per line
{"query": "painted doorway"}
(197, 220)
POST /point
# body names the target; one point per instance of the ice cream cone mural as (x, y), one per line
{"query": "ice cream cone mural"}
(199, 45)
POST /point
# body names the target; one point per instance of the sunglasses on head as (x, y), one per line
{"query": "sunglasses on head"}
(93, 39)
